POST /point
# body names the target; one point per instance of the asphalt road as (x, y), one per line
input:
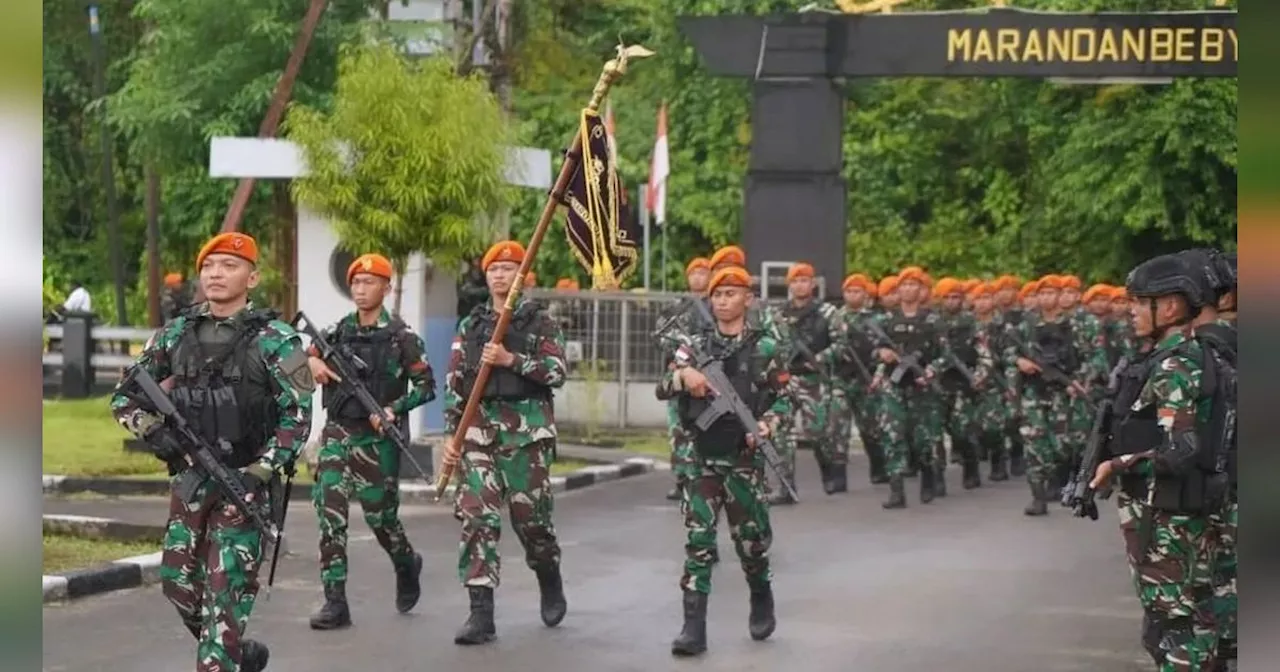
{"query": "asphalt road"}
(966, 584)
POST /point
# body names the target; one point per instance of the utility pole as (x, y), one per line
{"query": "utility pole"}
(108, 176)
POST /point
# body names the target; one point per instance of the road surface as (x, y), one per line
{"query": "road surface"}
(966, 584)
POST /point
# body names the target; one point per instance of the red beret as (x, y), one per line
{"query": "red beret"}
(235, 243)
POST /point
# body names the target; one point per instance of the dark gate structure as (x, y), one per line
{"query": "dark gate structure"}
(795, 193)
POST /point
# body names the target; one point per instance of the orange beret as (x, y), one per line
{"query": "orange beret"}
(235, 244)
(947, 286)
(857, 280)
(1071, 282)
(1119, 293)
(697, 263)
(173, 279)
(968, 285)
(1098, 291)
(729, 254)
(914, 273)
(506, 250)
(982, 288)
(1028, 289)
(730, 276)
(530, 279)
(567, 283)
(1007, 282)
(1051, 282)
(373, 264)
(887, 285)
(799, 270)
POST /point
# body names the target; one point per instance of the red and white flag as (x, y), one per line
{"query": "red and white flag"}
(609, 134)
(659, 168)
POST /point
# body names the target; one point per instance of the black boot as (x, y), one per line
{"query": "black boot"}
(940, 479)
(875, 456)
(693, 637)
(839, 478)
(1039, 505)
(971, 474)
(1017, 465)
(479, 628)
(913, 466)
(761, 623)
(1063, 477)
(828, 480)
(551, 587)
(334, 613)
(408, 584)
(897, 494)
(253, 655)
(999, 472)
(926, 485)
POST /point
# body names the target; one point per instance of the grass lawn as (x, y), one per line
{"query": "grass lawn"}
(82, 439)
(64, 552)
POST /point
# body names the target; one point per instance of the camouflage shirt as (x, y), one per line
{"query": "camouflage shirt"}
(1088, 341)
(1173, 389)
(286, 361)
(508, 422)
(985, 365)
(412, 365)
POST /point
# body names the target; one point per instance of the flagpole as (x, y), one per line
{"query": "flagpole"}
(663, 269)
(644, 223)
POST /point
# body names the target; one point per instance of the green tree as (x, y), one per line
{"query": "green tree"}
(409, 160)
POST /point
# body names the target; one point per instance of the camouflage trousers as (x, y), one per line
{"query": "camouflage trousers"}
(684, 461)
(520, 477)
(1044, 411)
(842, 420)
(1173, 584)
(1079, 424)
(784, 442)
(864, 403)
(962, 421)
(910, 421)
(209, 571)
(1224, 577)
(738, 491)
(366, 466)
(812, 401)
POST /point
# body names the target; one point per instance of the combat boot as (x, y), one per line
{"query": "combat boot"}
(1017, 465)
(253, 655)
(926, 485)
(551, 587)
(1039, 505)
(693, 637)
(897, 493)
(761, 623)
(999, 472)
(828, 479)
(408, 584)
(940, 479)
(479, 628)
(875, 456)
(334, 613)
(839, 478)
(971, 475)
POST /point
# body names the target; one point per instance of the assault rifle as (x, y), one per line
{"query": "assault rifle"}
(348, 365)
(1077, 494)
(954, 362)
(1048, 372)
(906, 362)
(201, 457)
(724, 401)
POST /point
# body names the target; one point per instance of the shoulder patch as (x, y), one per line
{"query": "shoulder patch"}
(295, 370)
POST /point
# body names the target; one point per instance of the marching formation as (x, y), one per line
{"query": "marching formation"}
(1075, 390)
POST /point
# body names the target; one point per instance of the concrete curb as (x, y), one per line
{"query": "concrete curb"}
(101, 528)
(144, 569)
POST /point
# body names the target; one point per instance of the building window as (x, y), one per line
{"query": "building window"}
(339, 262)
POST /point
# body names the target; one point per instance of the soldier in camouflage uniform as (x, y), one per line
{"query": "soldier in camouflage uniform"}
(1080, 416)
(964, 344)
(240, 378)
(910, 413)
(855, 370)
(1009, 301)
(817, 339)
(1049, 339)
(1122, 323)
(356, 459)
(995, 399)
(697, 273)
(508, 452)
(1167, 495)
(731, 473)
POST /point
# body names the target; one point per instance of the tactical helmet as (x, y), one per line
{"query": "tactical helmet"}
(1170, 274)
(1226, 264)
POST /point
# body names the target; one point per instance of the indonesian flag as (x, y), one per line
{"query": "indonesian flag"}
(609, 134)
(660, 167)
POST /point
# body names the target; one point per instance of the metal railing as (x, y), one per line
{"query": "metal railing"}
(104, 337)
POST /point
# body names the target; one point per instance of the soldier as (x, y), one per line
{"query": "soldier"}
(995, 400)
(357, 459)
(567, 285)
(964, 344)
(855, 369)
(1164, 456)
(730, 472)
(813, 325)
(1009, 298)
(508, 452)
(175, 298)
(1029, 297)
(887, 293)
(1080, 414)
(240, 378)
(1047, 339)
(910, 414)
(683, 465)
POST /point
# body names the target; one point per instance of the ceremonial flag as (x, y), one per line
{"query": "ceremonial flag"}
(658, 171)
(599, 222)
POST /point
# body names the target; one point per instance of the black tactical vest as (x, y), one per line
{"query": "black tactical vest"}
(1055, 345)
(912, 335)
(378, 349)
(521, 338)
(725, 438)
(1220, 375)
(222, 387)
(862, 345)
(962, 334)
(808, 326)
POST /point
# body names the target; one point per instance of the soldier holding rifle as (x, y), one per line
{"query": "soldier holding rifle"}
(239, 381)
(358, 457)
(731, 476)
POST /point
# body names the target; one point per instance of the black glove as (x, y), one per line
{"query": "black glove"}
(165, 446)
(251, 482)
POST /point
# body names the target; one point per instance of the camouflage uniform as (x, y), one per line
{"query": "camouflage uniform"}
(1169, 548)
(730, 476)
(209, 567)
(684, 464)
(770, 320)
(963, 405)
(1045, 408)
(910, 414)
(1011, 320)
(1081, 413)
(853, 397)
(355, 460)
(813, 394)
(508, 452)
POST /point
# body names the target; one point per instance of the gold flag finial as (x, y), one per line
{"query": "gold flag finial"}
(615, 68)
